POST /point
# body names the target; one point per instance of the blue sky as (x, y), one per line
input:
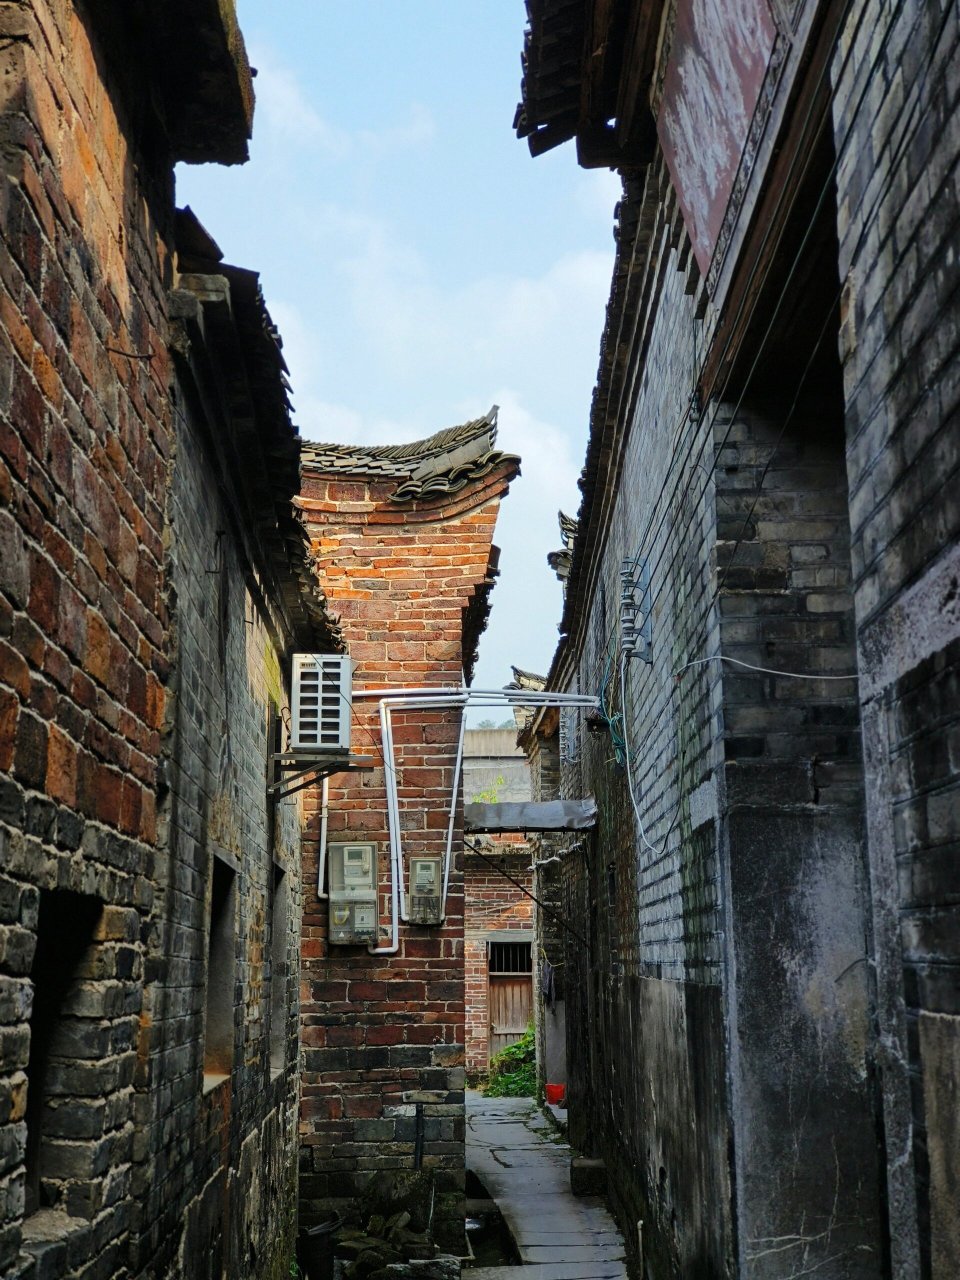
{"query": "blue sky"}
(420, 265)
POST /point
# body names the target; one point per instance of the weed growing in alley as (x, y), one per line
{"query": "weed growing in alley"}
(513, 1071)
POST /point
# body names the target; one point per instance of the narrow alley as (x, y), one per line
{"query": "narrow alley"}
(525, 1167)
(556, 704)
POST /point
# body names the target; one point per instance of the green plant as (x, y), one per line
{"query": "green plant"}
(513, 1071)
(491, 795)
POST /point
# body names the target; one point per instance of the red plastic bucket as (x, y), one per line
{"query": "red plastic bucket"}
(555, 1093)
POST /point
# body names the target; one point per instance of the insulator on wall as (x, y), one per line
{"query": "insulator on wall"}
(636, 626)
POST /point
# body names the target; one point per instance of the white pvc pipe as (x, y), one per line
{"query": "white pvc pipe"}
(324, 814)
(390, 779)
(395, 870)
(453, 813)
(398, 698)
(523, 696)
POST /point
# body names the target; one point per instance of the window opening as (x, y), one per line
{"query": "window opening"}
(510, 958)
(65, 928)
(221, 961)
(279, 926)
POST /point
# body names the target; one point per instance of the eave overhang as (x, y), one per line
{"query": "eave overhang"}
(588, 66)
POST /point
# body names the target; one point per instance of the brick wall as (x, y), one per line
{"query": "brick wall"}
(797, 920)
(642, 982)
(84, 437)
(792, 805)
(540, 741)
(384, 1033)
(749, 789)
(113, 677)
(897, 131)
(218, 1173)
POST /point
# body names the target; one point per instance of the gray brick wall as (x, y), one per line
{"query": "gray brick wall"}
(647, 984)
(225, 677)
(899, 214)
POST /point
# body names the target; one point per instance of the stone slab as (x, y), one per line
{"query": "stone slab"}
(516, 1154)
(552, 1271)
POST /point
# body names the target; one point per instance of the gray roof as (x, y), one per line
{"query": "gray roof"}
(442, 463)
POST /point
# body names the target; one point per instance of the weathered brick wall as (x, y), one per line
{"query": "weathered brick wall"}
(647, 907)
(748, 787)
(110, 670)
(492, 905)
(84, 435)
(218, 1175)
(814, 969)
(792, 804)
(384, 1033)
(550, 921)
(897, 131)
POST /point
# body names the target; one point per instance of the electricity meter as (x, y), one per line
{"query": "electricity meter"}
(426, 887)
(353, 871)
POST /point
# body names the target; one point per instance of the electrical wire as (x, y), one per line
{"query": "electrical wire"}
(770, 671)
(542, 905)
(892, 173)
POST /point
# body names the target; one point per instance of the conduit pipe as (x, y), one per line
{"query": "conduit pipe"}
(398, 904)
(457, 768)
(324, 813)
(407, 699)
(390, 779)
(526, 697)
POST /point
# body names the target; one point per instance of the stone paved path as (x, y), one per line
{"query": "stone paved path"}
(513, 1151)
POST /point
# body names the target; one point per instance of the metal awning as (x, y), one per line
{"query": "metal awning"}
(529, 815)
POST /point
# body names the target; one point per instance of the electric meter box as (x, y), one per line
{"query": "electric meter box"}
(426, 890)
(353, 871)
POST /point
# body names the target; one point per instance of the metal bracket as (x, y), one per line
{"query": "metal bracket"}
(291, 771)
(636, 623)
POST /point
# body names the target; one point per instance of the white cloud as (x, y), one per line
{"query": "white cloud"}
(527, 600)
(486, 328)
(285, 112)
(597, 193)
(418, 129)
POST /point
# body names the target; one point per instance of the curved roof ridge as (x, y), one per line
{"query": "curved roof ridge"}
(402, 459)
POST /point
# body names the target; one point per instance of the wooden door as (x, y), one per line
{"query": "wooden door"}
(510, 993)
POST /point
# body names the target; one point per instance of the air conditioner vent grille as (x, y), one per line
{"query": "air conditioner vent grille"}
(322, 687)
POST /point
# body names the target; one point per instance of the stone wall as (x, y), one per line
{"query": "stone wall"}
(383, 1035)
(115, 798)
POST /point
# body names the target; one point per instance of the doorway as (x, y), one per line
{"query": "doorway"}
(509, 992)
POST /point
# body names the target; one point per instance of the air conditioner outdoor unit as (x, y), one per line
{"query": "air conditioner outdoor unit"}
(322, 688)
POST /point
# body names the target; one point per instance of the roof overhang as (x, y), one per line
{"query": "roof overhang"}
(587, 70)
(187, 59)
(530, 815)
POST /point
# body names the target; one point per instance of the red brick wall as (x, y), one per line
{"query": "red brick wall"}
(95, 529)
(492, 904)
(83, 450)
(84, 434)
(378, 1029)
